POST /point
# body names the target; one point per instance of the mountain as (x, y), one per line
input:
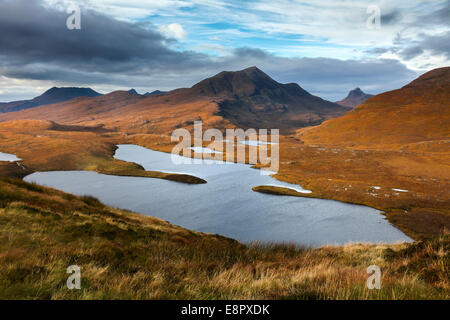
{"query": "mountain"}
(250, 98)
(51, 96)
(418, 113)
(354, 98)
(156, 92)
(244, 99)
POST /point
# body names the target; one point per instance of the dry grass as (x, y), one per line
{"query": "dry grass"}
(128, 256)
(396, 140)
(47, 146)
(340, 173)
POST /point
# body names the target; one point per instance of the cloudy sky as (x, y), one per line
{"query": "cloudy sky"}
(328, 47)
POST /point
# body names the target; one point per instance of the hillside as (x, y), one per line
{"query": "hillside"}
(247, 98)
(398, 140)
(354, 98)
(123, 255)
(51, 96)
(415, 116)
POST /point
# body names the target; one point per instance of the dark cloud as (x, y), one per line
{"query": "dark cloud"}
(437, 44)
(391, 17)
(439, 17)
(32, 33)
(35, 44)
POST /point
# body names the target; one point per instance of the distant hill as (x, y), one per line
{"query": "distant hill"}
(156, 92)
(354, 98)
(51, 96)
(246, 99)
(418, 113)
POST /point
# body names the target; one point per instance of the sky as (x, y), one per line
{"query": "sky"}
(327, 47)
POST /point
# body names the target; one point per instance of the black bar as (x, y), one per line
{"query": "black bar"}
(229, 309)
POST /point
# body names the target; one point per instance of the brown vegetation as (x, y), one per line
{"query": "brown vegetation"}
(123, 255)
(47, 146)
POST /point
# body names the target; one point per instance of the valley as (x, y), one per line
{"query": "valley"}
(340, 159)
(391, 166)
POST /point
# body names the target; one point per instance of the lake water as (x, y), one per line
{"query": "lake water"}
(8, 157)
(226, 205)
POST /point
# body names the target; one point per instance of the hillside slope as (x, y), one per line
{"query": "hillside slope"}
(123, 255)
(419, 112)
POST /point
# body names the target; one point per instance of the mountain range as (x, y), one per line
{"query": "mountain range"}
(250, 98)
(244, 99)
(51, 96)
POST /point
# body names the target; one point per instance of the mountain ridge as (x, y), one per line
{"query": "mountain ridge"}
(247, 98)
(251, 98)
(51, 96)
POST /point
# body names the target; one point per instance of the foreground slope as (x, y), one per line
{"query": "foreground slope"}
(123, 255)
(417, 115)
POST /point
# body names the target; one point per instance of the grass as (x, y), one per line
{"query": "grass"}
(123, 255)
(331, 172)
(351, 175)
(47, 146)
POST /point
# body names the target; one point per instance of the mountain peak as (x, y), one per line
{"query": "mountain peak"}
(242, 83)
(154, 93)
(252, 99)
(357, 92)
(51, 96)
(354, 98)
(70, 91)
(51, 91)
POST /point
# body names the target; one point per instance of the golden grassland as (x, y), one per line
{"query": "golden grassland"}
(128, 256)
(123, 255)
(332, 172)
(369, 176)
(47, 146)
(396, 140)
